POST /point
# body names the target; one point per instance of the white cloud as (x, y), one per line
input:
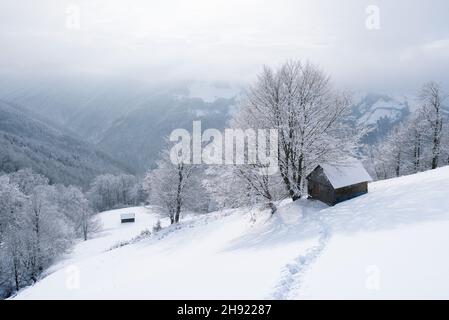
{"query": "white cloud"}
(222, 39)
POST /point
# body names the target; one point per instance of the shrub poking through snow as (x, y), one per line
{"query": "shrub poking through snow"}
(143, 234)
(157, 226)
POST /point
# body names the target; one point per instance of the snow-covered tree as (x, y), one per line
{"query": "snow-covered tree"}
(417, 144)
(26, 180)
(298, 99)
(43, 211)
(225, 188)
(262, 185)
(175, 186)
(433, 98)
(75, 207)
(445, 142)
(15, 234)
(395, 150)
(109, 191)
(38, 222)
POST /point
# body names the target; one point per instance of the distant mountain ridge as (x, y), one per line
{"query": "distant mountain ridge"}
(28, 141)
(379, 113)
(129, 119)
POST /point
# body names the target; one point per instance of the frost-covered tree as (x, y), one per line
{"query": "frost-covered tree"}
(16, 238)
(298, 99)
(226, 189)
(109, 191)
(12, 204)
(75, 207)
(416, 140)
(433, 98)
(262, 185)
(26, 180)
(175, 186)
(445, 143)
(38, 222)
(403, 151)
(43, 214)
(417, 144)
(395, 150)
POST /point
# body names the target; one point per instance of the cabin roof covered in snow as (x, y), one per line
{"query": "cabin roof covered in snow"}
(345, 174)
(127, 215)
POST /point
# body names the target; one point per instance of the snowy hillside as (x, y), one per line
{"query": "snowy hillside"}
(390, 243)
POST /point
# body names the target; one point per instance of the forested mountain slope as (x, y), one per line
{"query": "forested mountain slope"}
(28, 141)
(126, 119)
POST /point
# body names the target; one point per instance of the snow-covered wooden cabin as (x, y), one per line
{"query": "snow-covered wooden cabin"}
(332, 184)
(127, 217)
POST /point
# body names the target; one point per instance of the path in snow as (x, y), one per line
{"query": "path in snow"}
(292, 273)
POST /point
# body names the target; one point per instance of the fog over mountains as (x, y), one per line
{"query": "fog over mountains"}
(127, 121)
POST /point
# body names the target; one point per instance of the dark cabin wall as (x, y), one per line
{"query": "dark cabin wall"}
(319, 187)
(350, 192)
(319, 176)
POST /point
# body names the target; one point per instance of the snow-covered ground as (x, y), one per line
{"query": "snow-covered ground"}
(390, 243)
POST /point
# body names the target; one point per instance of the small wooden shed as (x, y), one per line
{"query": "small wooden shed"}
(127, 217)
(332, 184)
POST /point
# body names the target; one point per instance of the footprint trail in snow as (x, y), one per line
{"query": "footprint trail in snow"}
(292, 273)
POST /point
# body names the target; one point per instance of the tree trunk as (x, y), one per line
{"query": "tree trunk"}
(85, 231)
(296, 197)
(178, 196)
(398, 165)
(16, 274)
(288, 186)
(435, 149)
(284, 169)
(272, 207)
(178, 212)
(417, 153)
(436, 138)
(435, 155)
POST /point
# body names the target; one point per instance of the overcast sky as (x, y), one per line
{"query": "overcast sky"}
(228, 40)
